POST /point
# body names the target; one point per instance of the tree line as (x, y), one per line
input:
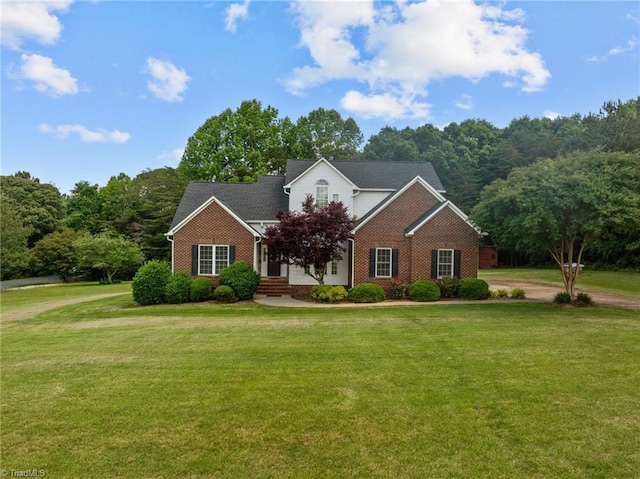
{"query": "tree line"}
(241, 144)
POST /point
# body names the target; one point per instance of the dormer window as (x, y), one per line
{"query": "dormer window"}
(322, 193)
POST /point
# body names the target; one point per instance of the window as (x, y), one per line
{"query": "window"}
(336, 197)
(322, 193)
(334, 268)
(212, 259)
(445, 263)
(383, 262)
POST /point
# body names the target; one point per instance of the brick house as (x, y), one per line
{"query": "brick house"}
(404, 225)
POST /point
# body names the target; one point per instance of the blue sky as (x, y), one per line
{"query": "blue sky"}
(92, 89)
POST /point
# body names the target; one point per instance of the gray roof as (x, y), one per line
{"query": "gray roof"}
(260, 201)
(250, 201)
(391, 175)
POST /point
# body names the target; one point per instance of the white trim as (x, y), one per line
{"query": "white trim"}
(375, 265)
(446, 204)
(321, 160)
(392, 198)
(214, 248)
(453, 262)
(202, 207)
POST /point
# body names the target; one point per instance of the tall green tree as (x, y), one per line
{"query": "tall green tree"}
(55, 253)
(156, 195)
(14, 237)
(561, 205)
(107, 253)
(83, 208)
(325, 134)
(620, 125)
(40, 205)
(236, 145)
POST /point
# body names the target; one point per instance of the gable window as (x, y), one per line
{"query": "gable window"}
(322, 193)
(212, 259)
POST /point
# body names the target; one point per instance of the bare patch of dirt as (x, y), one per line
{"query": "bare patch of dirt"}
(34, 310)
(546, 293)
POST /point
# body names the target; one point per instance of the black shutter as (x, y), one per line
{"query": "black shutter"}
(232, 254)
(194, 260)
(434, 263)
(394, 262)
(372, 262)
(456, 263)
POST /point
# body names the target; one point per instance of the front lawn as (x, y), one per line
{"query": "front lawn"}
(110, 389)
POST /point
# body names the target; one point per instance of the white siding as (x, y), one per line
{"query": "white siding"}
(297, 276)
(367, 200)
(306, 184)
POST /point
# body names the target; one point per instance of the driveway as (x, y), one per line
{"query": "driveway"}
(547, 293)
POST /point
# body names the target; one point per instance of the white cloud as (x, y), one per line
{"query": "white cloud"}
(552, 115)
(631, 45)
(46, 76)
(385, 105)
(167, 83)
(31, 20)
(235, 12)
(86, 136)
(397, 49)
(464, 102)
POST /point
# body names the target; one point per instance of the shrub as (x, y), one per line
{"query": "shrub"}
(583, 299)
(397, 290)
(518, 293)
(148, 285)
(200, 290)
(424, 291)
(242, 278)
(448, 286)
(225, 294)
(562, 298)
(328, 294)
(366, 293)
(473, 289)
(178, 287)
(500, 294)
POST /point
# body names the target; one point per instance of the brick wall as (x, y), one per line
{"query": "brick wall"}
(445, 231)
(213, 225)
(386, 230)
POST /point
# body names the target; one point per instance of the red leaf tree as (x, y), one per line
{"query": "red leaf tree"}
(310, 239)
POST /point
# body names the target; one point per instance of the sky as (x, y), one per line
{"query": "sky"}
(91, 89)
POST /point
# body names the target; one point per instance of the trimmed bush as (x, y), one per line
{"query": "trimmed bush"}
(518, 293)
(562, 298)
(149, 283)
(224, 294)
(499, 294)
(424, 291)
(366, 293)
(583, 299)
(242, 278)
(177, 289)
(473, 289)
(328, 294)
(448, 286)
(200, 290)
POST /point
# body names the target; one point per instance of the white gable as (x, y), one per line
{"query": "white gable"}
(339, 187)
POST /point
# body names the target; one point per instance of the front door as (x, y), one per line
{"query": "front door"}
(273, 267)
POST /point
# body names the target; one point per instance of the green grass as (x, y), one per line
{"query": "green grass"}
(625, 283)
(109, 389)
